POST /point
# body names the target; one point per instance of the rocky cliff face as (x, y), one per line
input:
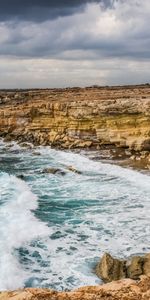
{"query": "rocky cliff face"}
(78, 117)
(120, 290)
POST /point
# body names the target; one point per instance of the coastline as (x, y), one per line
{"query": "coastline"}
(126, 289)
(112, 122)
(116, 290)
(139, 161)
(78, 118)
(22, 121)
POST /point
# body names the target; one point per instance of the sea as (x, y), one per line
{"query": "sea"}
(54, 228)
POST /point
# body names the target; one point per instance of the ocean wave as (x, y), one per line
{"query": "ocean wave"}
(54, 228)
(18, 226)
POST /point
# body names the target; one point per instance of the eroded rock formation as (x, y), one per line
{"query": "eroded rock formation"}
(110, 268)
(126, 289)
(78, 117)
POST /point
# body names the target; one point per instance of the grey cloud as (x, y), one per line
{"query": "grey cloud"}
(117, 34)
(40, 10)
(65, 38)
(56, 73)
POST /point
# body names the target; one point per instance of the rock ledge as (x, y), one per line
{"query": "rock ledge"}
(126, 289)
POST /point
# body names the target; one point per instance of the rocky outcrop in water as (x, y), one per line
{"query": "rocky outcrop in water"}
(109, 268)
(78, 117)
(126, 289)
(54, 171)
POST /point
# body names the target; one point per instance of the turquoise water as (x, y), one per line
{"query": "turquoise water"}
(54, 228)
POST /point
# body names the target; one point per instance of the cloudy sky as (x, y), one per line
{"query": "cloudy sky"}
(59, 43)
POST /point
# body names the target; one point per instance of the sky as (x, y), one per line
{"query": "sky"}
(62, 43)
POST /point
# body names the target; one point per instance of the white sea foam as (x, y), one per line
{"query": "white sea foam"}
(84, 164)
(18, 226)
(116, 221)
(106, 208)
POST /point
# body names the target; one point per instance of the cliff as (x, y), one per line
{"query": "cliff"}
(78, 117)
(120, 290)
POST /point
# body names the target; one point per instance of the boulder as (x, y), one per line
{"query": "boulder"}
(8, 138)
(26, 145)
(110, 268)
(146, 145)
(36, 153)
(84, 144)
(21, 176)
(53, 171)
(74, 170)
(146, 266)
(135, 267)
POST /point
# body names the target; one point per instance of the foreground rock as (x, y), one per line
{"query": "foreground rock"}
(126, 289)
(109, 268)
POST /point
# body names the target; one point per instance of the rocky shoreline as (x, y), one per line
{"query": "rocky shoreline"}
(110, 268)
(108, 123)
(139, 161)
(112, 120)
(126, 289)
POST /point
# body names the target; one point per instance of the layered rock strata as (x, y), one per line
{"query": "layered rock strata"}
(126, 289)
(78, 117)
(110, 268)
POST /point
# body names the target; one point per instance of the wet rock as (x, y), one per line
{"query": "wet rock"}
(146, 266)
(26, 145)
(74, 170)
(135, 267)
(146, 145)
(110, 268)
(21, 176)
(133, 157)
(82, 144)
(8, 138)
(144, 154)
(53, 171)
(36, 153)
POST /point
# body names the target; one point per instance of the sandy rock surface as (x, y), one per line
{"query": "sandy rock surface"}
(78, 117)
(126, 289)
(110, 268)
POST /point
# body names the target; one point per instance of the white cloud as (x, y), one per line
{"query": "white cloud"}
(97, 46)
(45, 73)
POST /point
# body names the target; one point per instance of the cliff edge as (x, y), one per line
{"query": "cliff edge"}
(78, 117)
(74, 118)
(126, 289)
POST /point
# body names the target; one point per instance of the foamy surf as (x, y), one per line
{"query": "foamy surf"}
(18, 226)
(68, 221)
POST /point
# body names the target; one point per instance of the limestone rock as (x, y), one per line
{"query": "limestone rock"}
(110, 268)
(26, 145)
(53, 171)
(78, 118)
(36, 153)
(74, 170)
(146, 266)
(146, 144)
(135, 267)
(126, 289)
